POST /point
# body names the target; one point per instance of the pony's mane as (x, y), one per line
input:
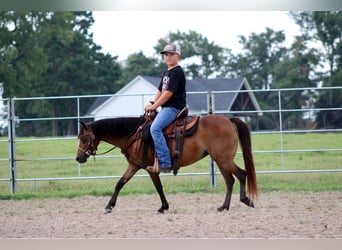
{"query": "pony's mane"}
(117, 127)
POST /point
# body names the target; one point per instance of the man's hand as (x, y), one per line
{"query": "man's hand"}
(149, 107)
(162, 98)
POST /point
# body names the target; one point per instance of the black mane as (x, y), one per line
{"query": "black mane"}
(118, 127)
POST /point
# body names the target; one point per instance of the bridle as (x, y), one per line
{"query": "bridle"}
(91, 148)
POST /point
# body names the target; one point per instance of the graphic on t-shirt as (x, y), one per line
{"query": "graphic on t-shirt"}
(166, 81)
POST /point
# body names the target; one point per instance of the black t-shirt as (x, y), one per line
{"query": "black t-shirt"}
(174, 80)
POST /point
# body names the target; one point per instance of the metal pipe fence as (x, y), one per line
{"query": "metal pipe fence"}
(12, 122)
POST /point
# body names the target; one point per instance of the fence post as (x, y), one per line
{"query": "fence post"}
(12, 147)
(212, 166)
(281, 130)
(78, 131)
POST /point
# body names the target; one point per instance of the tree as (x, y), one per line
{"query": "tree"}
(22, 58)
(76, 67)
(297, 69)
(138, 64)
(200, 58)
(52, 54)
(260, 53)
(326, 27)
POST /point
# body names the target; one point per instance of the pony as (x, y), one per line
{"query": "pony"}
(216, 135)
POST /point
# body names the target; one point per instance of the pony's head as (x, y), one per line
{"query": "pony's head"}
(87, 143)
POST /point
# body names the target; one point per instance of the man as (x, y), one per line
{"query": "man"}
(171, 96)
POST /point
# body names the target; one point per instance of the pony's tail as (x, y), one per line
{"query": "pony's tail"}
(245, 142)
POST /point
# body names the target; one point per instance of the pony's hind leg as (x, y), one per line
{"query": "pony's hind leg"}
(227, 172)
(229, 179)
(241, 175)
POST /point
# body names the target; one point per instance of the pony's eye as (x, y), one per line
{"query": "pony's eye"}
(84, 139)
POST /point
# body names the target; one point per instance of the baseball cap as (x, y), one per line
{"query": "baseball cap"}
(171, 48)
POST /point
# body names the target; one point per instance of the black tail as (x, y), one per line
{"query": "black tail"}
(245, 142)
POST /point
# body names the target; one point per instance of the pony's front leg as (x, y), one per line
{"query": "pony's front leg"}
(130, 172)
(157, 183)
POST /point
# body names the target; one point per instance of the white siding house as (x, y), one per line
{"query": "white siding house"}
(129, 101)
(132, 98)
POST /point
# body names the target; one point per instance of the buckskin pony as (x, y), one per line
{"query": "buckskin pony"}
(216, 135)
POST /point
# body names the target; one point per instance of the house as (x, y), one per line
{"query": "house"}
(229, 94)
(129, 101)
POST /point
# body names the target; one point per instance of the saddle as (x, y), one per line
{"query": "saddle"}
(184, 125)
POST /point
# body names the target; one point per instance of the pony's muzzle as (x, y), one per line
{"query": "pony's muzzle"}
(81, 158)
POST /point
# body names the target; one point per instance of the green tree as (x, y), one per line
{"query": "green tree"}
(22, 58)
(138, 64)
(52, 54)
(76, 67)
(200, 57)
(261, 52)
(326, 27)
(297, 69)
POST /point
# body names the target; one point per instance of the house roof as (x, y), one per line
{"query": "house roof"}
(221, 101)
(225, 101)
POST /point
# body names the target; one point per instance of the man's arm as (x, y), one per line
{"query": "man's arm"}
(159, 100)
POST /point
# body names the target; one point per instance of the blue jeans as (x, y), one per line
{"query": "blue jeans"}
(165, 116)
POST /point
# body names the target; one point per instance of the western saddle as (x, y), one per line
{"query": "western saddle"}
(184, 125)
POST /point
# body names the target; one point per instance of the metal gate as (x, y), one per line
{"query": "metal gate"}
(11, 120)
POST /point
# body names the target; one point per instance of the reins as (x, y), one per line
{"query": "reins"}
(93, 149)
(114, 147)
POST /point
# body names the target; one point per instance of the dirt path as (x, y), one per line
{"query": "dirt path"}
(277, 215)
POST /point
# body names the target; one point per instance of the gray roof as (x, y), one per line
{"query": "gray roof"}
(221, 101)
(198, 101)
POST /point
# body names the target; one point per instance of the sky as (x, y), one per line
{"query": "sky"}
(122, 33)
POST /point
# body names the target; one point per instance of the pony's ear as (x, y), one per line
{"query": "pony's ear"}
(84, 125)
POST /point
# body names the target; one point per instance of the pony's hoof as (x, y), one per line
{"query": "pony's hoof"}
(107, 211)
(248, 202)
(220, 209)
(163, 208)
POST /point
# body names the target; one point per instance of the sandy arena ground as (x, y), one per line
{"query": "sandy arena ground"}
(276, 215)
